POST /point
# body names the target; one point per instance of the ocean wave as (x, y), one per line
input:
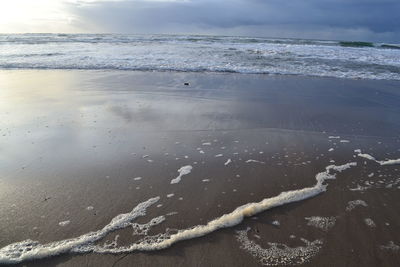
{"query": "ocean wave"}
(309, 73)
(195, 53)
(390, 46)
(356, 44)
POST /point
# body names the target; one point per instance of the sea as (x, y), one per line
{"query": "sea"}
(200, 53)
(87, 155)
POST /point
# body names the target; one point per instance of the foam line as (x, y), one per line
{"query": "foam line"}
(381, 162)
(253, 160)
(29, 250)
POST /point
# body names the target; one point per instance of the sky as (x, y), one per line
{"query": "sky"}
(364, 20)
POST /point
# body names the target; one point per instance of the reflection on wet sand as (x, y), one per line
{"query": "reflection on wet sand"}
(73, 144)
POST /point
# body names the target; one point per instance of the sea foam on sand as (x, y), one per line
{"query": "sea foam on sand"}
(381, 162)
(182, 171)
(279, 254)
(323, 223)
(29, 250)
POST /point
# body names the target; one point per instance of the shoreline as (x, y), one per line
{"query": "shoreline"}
(200, 72)
(83, 147)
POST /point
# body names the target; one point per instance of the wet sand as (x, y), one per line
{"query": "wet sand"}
(74, 144)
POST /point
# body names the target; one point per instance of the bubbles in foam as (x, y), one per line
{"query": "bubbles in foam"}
(64, 223)
(323, 223)
(391, 246)
(143, 229)
(279, 254)
(111, 244)
(354, 203)
(369, 222)
(276, 223)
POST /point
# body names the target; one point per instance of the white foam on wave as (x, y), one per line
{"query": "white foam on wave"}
(29, 250)
(381, 162)
(177, 53)
(182, 171)
(227, 162)
(389, 162)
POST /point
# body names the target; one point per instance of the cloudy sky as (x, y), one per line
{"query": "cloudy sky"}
(370, 20)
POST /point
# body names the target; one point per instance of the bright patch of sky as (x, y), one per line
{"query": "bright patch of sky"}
(370, 20)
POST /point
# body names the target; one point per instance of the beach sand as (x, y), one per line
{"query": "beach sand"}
(78, 148)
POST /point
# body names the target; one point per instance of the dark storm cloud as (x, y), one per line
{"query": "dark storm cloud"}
(340, 19)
